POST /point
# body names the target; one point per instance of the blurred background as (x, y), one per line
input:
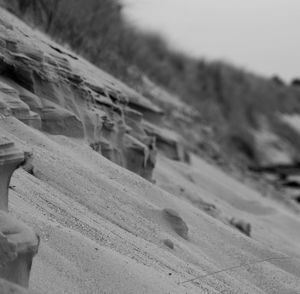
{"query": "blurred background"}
(259, 35)
(236, 64)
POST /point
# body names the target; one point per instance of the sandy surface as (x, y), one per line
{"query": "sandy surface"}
(102, 227)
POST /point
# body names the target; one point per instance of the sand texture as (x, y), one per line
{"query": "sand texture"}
(118, 203)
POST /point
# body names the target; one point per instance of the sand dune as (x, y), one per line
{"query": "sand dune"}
(103, 231)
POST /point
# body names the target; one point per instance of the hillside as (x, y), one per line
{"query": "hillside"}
(110, 186)
(230, 106)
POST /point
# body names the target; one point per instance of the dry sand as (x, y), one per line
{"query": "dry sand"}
(102, 227)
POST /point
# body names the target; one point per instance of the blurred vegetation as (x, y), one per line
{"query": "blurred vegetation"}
(228, 98)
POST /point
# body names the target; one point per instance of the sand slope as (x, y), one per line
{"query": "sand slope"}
(102, 227)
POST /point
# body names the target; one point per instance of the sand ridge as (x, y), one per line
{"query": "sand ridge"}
(79, 201)
(105, 229)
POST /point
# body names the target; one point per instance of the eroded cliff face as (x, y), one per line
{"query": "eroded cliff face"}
(54, 91)
(57, 92)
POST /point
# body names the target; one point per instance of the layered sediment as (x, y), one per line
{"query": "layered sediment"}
(43, 88)
(57, 92)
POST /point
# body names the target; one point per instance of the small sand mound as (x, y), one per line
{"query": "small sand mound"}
(242, 226)
(169, 243)
(176, 222)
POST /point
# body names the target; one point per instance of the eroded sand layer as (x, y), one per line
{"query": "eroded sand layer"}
(103, 229)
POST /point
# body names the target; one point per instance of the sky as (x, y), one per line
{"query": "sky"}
(262, 36)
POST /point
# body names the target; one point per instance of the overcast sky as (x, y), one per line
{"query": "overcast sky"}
(260, 35)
